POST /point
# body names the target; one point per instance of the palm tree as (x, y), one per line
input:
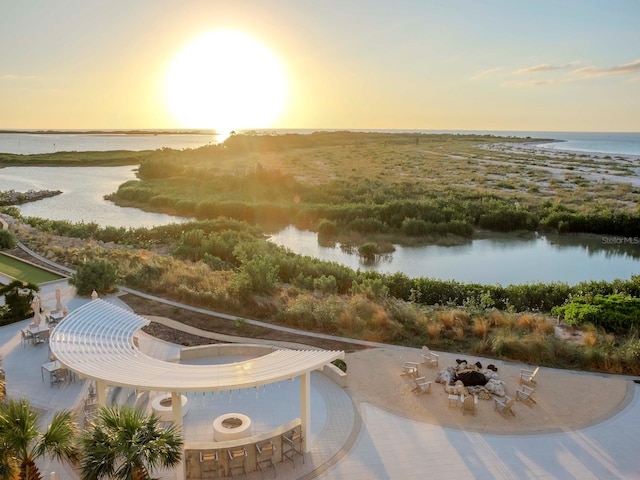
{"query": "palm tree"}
(21, 443)
(124, 443)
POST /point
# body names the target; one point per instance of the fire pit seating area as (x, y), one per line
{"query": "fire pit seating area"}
(472, 379)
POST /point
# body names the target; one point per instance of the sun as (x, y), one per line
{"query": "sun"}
(225, 80)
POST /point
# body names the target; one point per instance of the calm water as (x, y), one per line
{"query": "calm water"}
(621, 143)
(26, 143)
(504, 260)
(82, 198)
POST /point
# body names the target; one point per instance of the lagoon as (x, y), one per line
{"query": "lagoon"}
(493, 259)
(83, 189)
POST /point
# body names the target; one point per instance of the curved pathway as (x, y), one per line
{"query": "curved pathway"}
(386, 446)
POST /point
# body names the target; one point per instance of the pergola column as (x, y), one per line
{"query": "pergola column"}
(101, 392)
(305, 408)
(176, 410)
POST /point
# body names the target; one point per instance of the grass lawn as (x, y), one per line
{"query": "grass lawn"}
(25, 272)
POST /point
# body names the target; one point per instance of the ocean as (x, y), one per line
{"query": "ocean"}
(613, 143)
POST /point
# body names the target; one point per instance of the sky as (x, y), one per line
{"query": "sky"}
(571, 65)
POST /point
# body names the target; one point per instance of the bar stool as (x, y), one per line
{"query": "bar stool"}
(292, 445)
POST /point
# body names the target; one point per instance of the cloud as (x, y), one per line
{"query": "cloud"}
(624, 69)
(544, 67)
(528, 83)
(485, 73)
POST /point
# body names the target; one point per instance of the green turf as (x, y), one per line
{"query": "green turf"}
(25, 272)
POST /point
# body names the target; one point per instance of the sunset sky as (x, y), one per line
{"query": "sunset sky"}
(466, 65)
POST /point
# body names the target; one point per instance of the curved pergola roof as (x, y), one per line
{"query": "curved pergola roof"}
(96, 341)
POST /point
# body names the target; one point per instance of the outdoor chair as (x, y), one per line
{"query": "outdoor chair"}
(525, 395)
(59, 377)
(292, 445)
(410, 369)
(422, 386)
(210, 465)
(43, 337)
(264, 455)
(237, 461)
(527, 377)
(428, 357)
(503, 406)
(26, 337)
(469, 404)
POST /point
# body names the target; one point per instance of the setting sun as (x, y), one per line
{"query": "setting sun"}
(226, 80)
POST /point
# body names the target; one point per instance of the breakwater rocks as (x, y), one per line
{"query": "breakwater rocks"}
(11, 197)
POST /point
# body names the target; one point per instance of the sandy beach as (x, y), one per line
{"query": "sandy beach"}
(564, 400)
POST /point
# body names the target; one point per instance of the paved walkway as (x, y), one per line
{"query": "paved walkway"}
(382, 445)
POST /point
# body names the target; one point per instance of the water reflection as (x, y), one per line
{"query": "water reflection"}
(503, 259)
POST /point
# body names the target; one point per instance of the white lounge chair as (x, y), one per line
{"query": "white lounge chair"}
(410, 369)
(503, 406)
(422, 385)
(527, 377)
(429, 357)
(525, 394)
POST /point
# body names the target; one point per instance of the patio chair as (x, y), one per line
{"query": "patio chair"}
(422, 386)
(210, 467)
(469, 403)
(264, 455)
(237, 461)
(525, 395)
(527, 377)
(428, 357)
(292, 445)
(43, 337)
(26, 337)
(503, 406)
(410, 369)
(59, 377)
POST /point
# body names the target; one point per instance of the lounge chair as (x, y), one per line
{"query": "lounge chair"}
(410, 369)
(525, 394)
(210, 465)
(429, 357)
(422, 386)
(527, 377)
(469, 403)
(503, 406)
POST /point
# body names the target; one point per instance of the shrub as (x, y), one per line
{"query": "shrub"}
(96, 274)
(340, 364)
(7, 240)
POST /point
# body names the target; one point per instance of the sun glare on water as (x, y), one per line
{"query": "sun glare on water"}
(226, 80)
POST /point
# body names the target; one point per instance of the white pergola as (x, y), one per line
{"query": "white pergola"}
(97, 341)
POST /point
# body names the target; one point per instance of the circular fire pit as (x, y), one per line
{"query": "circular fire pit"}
(162, 407)
(231, 426)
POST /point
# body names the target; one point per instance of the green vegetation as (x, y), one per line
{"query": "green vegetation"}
(25, 272)
(369, 191)
(95, 274)
(444, 187)
(22, 443)
(18, 296)
(7, 240)
(75, 159)
(125, 443)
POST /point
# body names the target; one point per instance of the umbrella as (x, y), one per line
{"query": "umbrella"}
(94, 295)
(35, 305)
(59, 306)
